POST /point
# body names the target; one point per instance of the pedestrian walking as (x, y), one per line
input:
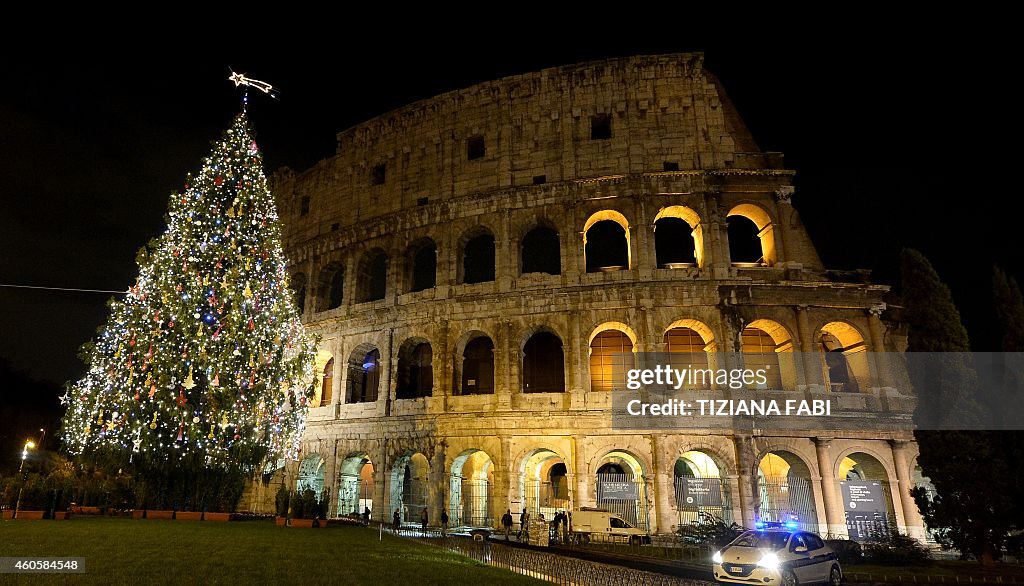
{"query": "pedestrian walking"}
(524, 526)
(366, 516)
(444, 523)
(423, 522)
(396, 521)
(506, 522)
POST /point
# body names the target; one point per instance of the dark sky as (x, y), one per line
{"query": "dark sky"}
(894, 138)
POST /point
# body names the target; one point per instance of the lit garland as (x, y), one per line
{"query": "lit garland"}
(206, 355)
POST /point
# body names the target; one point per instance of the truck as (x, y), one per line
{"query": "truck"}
(591, 524)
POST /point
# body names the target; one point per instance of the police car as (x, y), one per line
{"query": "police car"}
(777, 555)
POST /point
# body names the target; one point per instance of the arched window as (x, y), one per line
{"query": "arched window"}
(688, 349)
(415, 370)
(751, 236)
(541, 252)
(611, 355)
(373, 276)
(298, 287)
(678, 238)
(845, 355)
(332, 286)
(422, 259)
(744, 245)
(363, 376)
(673, 239)
(543, 364)
(557, 477)
(478, 259)
(606, 247)
(478, 367)
(762, 341)
(327, 387)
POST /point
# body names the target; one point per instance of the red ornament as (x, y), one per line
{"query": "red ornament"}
(218, 181)
(182, 400)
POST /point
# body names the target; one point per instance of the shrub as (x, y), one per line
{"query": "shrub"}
(848, 551)
(892, 548)
(709, 530)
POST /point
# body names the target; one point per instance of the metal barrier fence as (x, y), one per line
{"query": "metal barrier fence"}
(624, 496)
(786, 499)
(470, 504)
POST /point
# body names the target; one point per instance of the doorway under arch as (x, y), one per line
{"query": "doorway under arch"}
(543, 478)
(784, 492)
(355, 485)
(311, 474)
(470, 490)
(867, 496)
(621, 489)
(700, 494)
(409, 486)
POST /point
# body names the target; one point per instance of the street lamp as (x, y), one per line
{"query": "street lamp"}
(24, 454)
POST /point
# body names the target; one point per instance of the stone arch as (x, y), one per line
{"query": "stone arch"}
(844, 356)
(410, 486)
(612, 346)
(785, 490)
(331, 286)
(372, 278)
(327, 384)
(613, 325)
(477, 256)
(762, 342)
(542, 356)
(690, 343)
(876, 466)
(608, 248)
(297, 285)
(862, 470)
(415, 369)
(323, 358)
(543, 481)
(363, 374)
(420, 265)
(701, 493)
(677, 246)
(470, 493)
(474, 364)
(356, 484)
(634, 465)
(723, 460)
(745, 243)
(620, 482)
(540, 249)
(311, 474)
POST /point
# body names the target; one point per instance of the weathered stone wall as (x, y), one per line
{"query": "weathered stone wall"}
(663, 109)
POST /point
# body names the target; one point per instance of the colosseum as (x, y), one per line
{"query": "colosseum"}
(477, 264)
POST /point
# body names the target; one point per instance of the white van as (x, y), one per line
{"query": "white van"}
(600, 525)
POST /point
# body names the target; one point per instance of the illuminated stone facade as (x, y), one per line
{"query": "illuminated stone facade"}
(474, 261)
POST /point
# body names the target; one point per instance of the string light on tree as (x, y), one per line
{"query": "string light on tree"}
(205, 357)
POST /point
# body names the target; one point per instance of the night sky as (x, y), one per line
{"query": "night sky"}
(894, 144)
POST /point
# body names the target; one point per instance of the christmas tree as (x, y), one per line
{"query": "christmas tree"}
(204, 366)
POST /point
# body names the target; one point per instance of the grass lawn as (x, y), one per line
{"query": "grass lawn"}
(125, 551)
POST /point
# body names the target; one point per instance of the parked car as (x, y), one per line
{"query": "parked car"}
(777, 556)
(600, 525)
